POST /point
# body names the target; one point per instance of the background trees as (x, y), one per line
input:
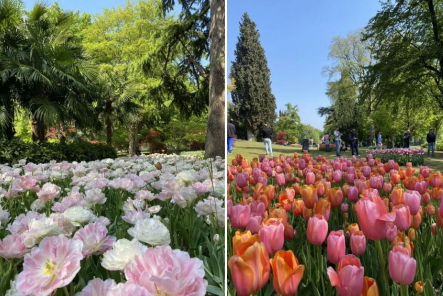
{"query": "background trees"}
(255, 103)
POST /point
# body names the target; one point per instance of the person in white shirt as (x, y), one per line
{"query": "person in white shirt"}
(337, 135)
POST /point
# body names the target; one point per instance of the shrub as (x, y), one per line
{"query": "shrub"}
(13, 151)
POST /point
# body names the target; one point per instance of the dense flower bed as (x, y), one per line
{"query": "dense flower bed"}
(323, 147)
(150, 225)
(399, 155)
(305, 226)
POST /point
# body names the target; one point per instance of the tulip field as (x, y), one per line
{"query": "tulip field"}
(315, 226)
(148, 225)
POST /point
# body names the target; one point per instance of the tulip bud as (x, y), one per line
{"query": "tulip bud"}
(434, 229)
(358, 243)
(418, 287)
(411, 234)
(344, 207)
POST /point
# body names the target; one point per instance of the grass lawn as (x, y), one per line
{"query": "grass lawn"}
(251, 149)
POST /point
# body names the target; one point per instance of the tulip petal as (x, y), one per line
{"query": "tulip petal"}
(333, 277)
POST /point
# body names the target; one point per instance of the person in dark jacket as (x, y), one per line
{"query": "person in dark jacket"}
(231, 135)
(430, 138)
(354, 143)
(266, 133)
(407, 137)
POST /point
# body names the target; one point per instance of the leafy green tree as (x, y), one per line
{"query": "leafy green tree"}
(289, 122)
(253, 96)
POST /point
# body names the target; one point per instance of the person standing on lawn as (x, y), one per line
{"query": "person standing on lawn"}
(267, 135)
(430, 138)
(337, 136)
(326, 140)
(231, 135)
(354, 142)
(379, 141)
(407, 137)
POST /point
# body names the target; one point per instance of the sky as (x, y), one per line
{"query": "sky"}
(296, 36)
(89, 6)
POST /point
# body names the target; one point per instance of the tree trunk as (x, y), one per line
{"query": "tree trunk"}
(108, 122)
(215, 137)
(37, 129)
(62, 132)
(372, 134)
(133, 140)
(9, 129)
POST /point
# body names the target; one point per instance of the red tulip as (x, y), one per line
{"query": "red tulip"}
(412, 199)
(336, 246)
(289, 232)
(373, 217)
(401, 266)
(435, 179)
(240, 215)
(349, 279)
(317, 230)
(358, 243)
(297, 207)
(287, 273)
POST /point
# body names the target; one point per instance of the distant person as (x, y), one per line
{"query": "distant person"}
(379, 141)
(326, 140)
(407, 138)
(231, 135)
(353, 139)
(337, 136)
(266, 133)
(430, 138)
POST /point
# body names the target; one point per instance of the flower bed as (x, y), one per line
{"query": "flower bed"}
(148, 225)
(305, 226)
(400, 155)
(323, 147)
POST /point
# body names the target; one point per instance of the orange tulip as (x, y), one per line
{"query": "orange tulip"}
(297, 207)
(243, 239)
(353, 227)
(309, 194)
(435, 179)
(250, 267)
(397, 196)
(418, 287)
(323, 207)
(287, 272)
(370, 287)
(335, 196)
(437, 193)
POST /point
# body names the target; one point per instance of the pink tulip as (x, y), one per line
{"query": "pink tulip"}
(366, 170)
(353, 194)
(280, 179)
(421, 186)
(387, 187)
(278, 169)
(317, 229)
(241, 180)
(229, 208)
(51, 265)
(412, 199)
(272, 235)
(403, 218)
(373, 217)
(391, 232)
(94, 238)
(310, 178)
(401, 266)
(376, 182)
(254, 223)
(424, 171)
(349, 279)
(344, 207)
(371, 162)
(350, 178)
(302, 164)
(391, 164)
(351, 170)
(97, 287)
(12, 246)
(336, 246)
(240, 215)
(337, 176)
(358, 243)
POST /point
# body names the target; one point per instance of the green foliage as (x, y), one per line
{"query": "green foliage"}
(252, 94)
(186, 134)
(307, 131)
(289, 123)
(13, 151)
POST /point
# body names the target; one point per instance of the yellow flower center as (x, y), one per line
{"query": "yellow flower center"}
(49, 268)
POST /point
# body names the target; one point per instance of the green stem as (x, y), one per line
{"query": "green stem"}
(66, 291)
(382, 258)
(320, 259)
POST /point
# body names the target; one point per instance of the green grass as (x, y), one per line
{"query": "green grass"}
(251, 149)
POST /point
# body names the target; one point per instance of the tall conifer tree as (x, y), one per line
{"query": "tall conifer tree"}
(252, 95)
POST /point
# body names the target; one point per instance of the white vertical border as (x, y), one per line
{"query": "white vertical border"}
(226, 148)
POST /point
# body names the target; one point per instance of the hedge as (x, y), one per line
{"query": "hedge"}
(13, 151)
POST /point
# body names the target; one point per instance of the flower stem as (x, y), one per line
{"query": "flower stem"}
(382, 258)
(66, 291)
